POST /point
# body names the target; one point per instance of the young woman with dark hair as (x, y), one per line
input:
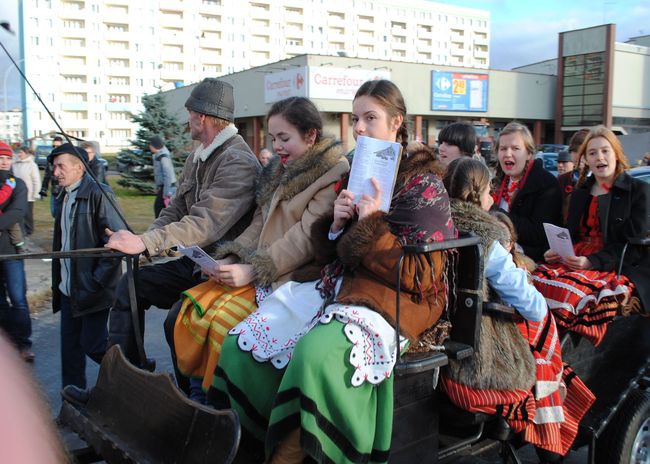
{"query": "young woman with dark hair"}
(455, 140)
(525, 190)
(607, 208)
(322, 353)
(295, 189)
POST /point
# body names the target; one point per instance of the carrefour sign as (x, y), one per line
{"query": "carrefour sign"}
(452, 91)
(340, 83)
(318, 82)
(285, 84)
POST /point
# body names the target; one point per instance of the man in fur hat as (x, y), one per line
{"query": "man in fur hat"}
(213, 202)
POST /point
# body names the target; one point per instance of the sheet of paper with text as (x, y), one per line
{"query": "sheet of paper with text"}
(559, 240)
(374, 158)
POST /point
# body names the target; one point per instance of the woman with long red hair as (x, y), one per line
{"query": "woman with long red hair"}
(607, 209)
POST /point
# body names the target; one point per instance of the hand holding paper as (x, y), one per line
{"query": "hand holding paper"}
(559, 240)
(370, 204)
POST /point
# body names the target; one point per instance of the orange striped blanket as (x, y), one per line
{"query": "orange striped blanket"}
(208, 312)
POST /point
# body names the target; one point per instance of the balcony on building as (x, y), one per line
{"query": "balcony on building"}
(457, 35)
(260, 10)
(366, 38)
(294, 46)
(211, 7)
(171, 19)
(336, 20)
(211, 41)
(72, 9)
(425, 31)
(74, 106)
(481, 40)
(116, 13)
(172, 52)
(210, 23)
(479, 53)
(116, 31)
(173, 5)
(457, 49)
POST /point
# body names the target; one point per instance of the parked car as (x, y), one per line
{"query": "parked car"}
(552, 148)
(641, 173)
(40, 155)
(130, 159)
(549, 160)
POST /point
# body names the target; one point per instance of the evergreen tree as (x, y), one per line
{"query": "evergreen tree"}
(154, 120)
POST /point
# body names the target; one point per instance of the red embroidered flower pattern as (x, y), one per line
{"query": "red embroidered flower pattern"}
(437, 236)
(430, 193)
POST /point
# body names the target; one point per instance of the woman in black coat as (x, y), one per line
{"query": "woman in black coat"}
(607, 209)
(525, 190)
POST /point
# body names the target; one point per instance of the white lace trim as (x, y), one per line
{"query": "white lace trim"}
(271, 333)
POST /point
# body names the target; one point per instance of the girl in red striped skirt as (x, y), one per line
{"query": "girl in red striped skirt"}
(526, 381)
(607, 209)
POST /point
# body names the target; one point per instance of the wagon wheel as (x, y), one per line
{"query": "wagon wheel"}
(627, 438)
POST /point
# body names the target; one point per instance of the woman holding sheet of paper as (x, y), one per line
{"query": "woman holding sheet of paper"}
(525, 190)
(322, 353)
(607, 209)
(294, 189)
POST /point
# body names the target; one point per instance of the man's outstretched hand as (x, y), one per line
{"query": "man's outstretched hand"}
(125, 241)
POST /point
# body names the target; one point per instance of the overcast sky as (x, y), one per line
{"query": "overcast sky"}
(522, 32)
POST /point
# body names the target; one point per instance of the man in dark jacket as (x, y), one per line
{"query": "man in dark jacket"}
(93, 161)
(14, 316)
(49, 180)
(82, 288)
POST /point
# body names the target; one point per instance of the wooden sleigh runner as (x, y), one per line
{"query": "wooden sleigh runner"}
(135, 416)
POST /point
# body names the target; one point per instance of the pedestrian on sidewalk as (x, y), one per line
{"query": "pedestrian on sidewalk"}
(163, 173)
(25, 168)
(82, 288)
(14, 314)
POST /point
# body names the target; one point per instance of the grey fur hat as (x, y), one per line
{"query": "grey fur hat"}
(214, 98)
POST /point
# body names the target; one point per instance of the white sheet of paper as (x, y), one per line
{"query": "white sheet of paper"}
(198, 255)
(374, 158)
(559, 240)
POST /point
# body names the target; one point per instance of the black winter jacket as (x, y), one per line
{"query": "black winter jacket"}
(624, 214)
(538, 201)
(92, 280)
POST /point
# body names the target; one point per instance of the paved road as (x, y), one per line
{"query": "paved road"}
(47, 368)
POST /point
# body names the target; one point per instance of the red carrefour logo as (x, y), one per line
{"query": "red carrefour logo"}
(299, 80)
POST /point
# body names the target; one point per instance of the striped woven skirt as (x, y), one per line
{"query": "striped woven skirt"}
(584, 302)
(313, 393)
(549, 415)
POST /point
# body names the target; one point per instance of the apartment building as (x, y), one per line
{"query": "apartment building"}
(92, 60)
(10, 126)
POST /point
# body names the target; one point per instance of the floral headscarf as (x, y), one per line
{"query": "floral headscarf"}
(420, 211)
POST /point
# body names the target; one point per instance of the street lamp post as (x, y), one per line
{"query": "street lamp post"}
(4, 86)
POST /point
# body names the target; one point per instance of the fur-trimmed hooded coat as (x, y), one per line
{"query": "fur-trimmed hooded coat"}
(504, 360)
(370, 251)
(289, 200)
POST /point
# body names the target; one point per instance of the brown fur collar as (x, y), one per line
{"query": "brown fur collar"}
(293, 179)
(471, 218)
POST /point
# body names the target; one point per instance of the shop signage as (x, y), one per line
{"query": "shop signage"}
(452, 91)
